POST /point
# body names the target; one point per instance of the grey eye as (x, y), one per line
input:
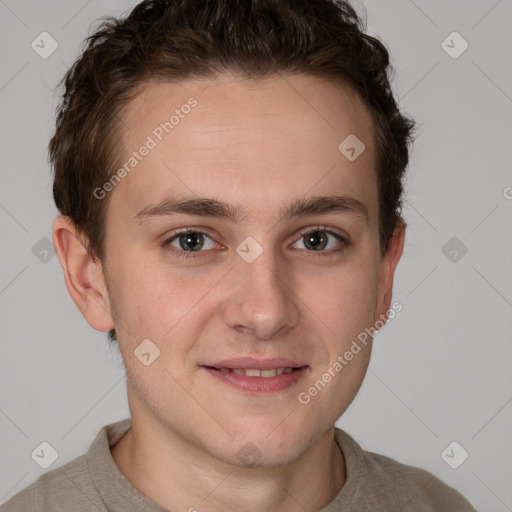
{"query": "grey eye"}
(192, 241)
(319, 240)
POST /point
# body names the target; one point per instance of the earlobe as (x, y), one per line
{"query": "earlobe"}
(82, 273)
(388, 266)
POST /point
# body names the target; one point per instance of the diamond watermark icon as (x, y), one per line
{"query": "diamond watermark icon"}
(249, 249)
(43, 250)
(45, 455)
(146, 352)
(454, 249)
(44, 45)
(249, 454)
(454, 455)
(352, 147)
(454, 45)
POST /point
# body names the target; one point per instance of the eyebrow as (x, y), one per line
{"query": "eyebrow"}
(301, 207)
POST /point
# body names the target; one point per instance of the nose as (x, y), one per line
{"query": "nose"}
(261, 302)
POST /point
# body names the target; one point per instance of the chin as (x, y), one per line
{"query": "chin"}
(250, 455)
(258, 449)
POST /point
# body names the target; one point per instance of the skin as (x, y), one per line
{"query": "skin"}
(258, 145)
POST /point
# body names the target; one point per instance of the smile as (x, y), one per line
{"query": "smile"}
(258, 381)
(251, 372)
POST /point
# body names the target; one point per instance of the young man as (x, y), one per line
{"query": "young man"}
(229, 177)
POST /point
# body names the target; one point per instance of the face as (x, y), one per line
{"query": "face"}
(245, 246)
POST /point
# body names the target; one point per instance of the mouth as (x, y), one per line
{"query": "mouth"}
(258, 376)
(253, 372)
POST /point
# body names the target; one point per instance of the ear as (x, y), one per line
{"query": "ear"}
(83, 274)
(388, 264)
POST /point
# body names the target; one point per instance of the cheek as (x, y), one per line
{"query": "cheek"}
(153, 301)
(345, 300)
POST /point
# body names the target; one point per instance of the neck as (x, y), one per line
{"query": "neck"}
(178, 476)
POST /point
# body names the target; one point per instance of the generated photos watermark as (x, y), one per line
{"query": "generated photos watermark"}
(343, 360)
(152, 141)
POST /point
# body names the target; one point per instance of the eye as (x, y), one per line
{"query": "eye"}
(189, 241)
(320, 240)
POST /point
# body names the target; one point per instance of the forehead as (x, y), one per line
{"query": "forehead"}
(260, 139)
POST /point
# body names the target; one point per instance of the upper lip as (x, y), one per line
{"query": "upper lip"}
(257, 364)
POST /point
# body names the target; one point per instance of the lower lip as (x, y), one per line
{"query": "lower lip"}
(259, 384)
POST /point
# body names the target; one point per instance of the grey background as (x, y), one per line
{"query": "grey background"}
(440, 371)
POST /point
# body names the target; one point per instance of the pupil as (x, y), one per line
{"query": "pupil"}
(316, 240)
(189, 241)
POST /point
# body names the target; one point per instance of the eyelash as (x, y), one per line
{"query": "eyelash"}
(312, 229)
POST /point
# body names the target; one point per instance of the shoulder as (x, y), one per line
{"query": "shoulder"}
(74, 486)
(415, 486)
(68, 487)
(408, 487)
(81, 484)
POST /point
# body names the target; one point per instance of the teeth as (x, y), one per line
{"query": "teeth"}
(251, 372)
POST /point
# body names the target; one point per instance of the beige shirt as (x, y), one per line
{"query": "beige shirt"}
(93, 482)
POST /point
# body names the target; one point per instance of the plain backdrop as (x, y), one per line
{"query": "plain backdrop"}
(440, 371)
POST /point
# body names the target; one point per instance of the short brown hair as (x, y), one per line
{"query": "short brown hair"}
(179, 39)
